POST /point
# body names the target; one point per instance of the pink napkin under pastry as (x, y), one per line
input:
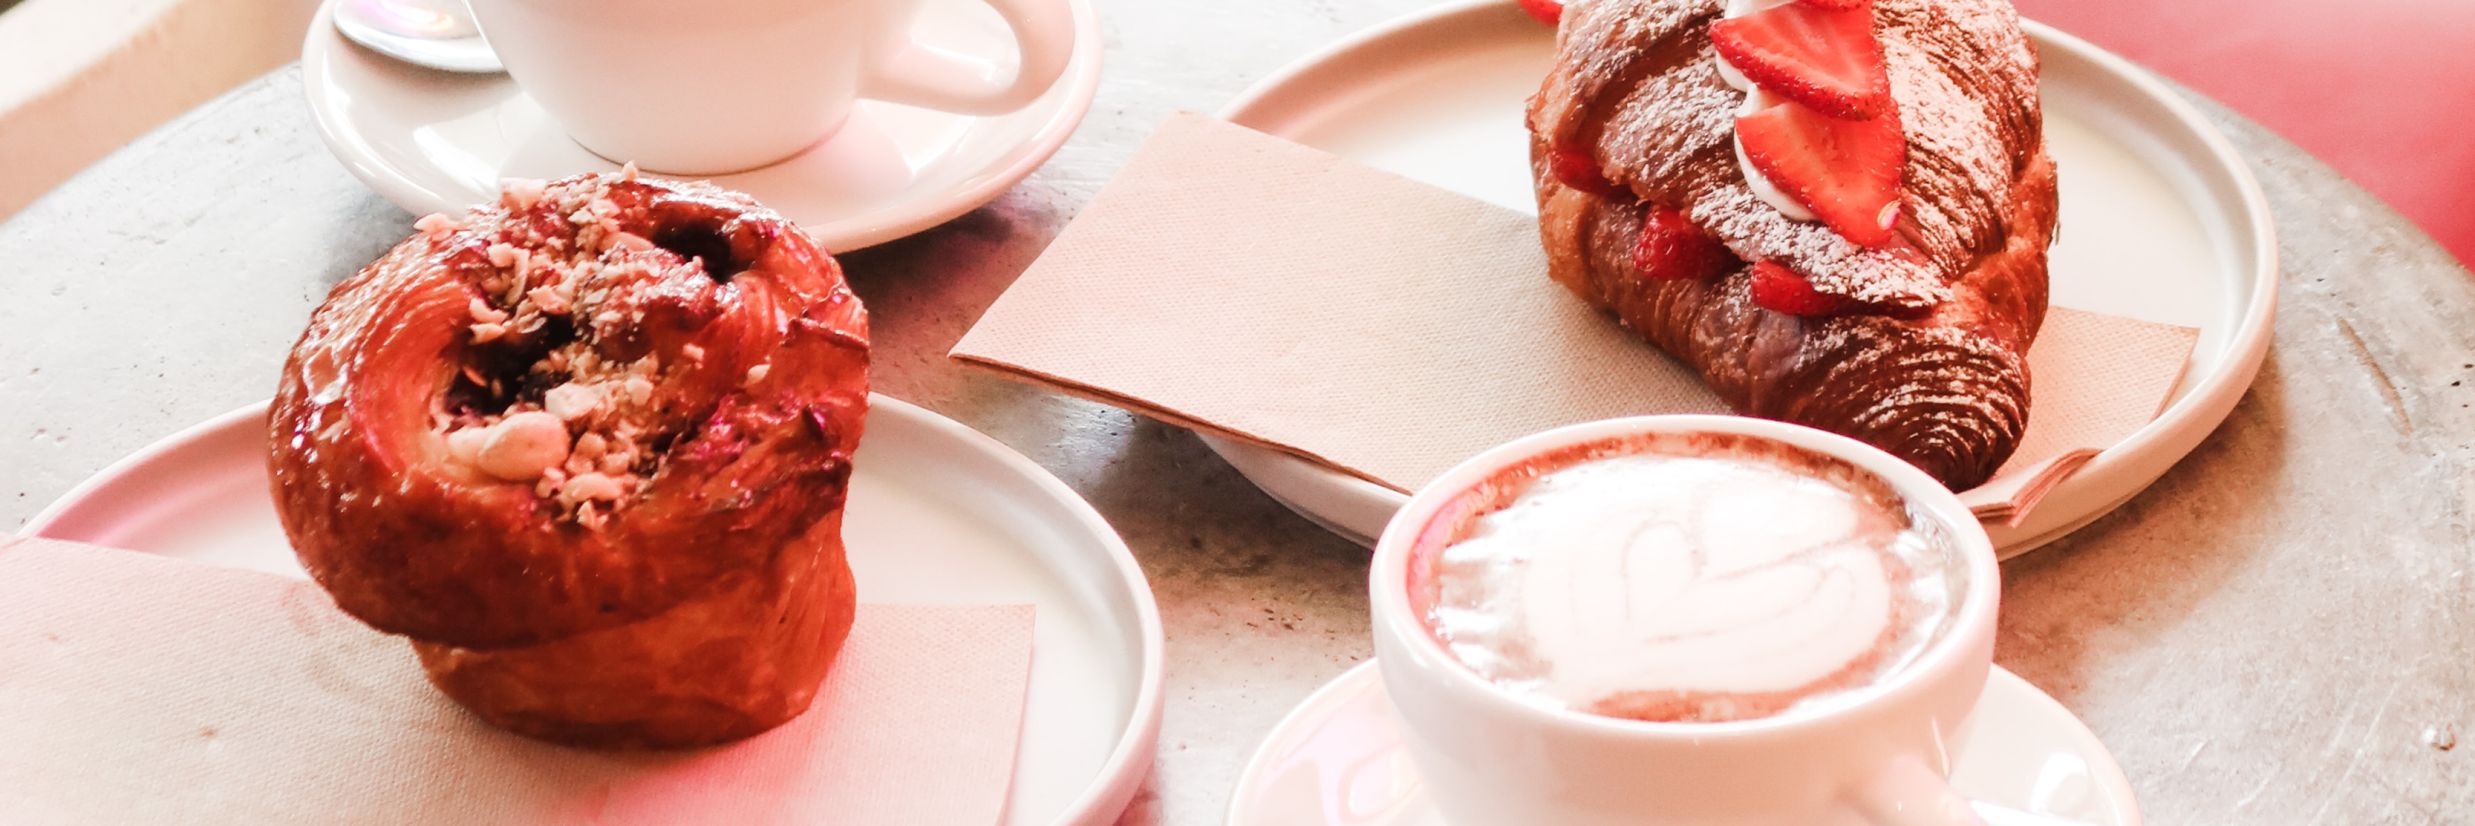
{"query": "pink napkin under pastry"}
(142, 689)
(1237, 283)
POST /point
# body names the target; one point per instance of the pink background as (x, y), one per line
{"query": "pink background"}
(2383, 90)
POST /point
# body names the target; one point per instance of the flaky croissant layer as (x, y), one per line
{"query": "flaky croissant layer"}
(1928, 361)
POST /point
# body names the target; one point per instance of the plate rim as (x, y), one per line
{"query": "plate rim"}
(1363, 677)
(399, 187)
(2205, 405)
(1117, 779)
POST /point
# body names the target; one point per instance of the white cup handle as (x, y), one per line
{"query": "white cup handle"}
(1907, 792)
(921, 74)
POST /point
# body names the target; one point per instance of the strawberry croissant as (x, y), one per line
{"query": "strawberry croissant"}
(1837, 211)
(588, 448)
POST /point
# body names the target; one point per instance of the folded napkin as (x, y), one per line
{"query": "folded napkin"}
(1233, 282)
(140, 689)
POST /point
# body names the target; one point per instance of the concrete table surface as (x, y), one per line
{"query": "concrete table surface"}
(2280, 631)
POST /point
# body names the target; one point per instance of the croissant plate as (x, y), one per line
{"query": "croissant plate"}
(588, 448)
(1922, 348)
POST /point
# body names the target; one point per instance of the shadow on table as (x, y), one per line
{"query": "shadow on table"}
(2138, 572)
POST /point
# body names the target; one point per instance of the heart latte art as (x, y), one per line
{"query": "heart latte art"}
(1698, 577)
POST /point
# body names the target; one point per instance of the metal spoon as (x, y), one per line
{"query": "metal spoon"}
(438, 34)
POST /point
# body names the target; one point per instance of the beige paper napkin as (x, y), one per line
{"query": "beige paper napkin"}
(139, 689)
(1234, 282)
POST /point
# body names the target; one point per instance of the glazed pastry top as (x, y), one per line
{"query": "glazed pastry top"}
(538, 418)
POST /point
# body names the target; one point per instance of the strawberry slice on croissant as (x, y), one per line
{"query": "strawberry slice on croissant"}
(1876, 172)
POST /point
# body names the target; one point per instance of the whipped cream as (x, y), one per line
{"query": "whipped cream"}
(1741, 582)
(1757, 100)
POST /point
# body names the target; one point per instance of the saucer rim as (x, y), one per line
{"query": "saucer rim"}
(400, 187)
(1094, 565)
(1356, 509)
(2105, 772)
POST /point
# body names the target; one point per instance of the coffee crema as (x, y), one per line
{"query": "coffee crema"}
(1684, 577)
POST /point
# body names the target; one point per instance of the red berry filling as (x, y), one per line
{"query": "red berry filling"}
(1835, 143)
(1549, 12)
(1671, 247)
(1846, 171)
(1780, 289)
(1821, 57)
(1575, 168)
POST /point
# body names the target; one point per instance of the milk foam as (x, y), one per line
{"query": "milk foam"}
(1691, 585)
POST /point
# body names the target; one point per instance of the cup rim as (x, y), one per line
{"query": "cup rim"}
(1974, 617)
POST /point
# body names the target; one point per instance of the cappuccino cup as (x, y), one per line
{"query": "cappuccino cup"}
(1685, 620)
(718, 86)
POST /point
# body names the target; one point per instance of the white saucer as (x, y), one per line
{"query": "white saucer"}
(1336, 761)
(437, 142)
(2162, 220)
(459, 48)
(938, 514)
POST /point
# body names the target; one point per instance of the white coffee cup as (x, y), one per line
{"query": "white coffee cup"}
(714, 86)
(1875, 756)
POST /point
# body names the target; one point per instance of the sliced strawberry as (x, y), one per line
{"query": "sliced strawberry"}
(1846, 171)
(1549, 12)
(1576, 169)
(1671, 247)
(1823, 57)
(1780, 289)
(1840, 5)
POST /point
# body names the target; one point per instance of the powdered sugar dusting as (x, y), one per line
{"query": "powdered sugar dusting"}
(1965, 78)
(1949, 137)
(1755, 231)
(1961, 72)
(1601, 39)
(1670, 123)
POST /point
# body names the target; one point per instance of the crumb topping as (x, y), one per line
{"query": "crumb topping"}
(561, 386)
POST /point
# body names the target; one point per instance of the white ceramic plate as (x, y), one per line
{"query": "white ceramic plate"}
(437, 142)
(1336, 760)
(938, 514)
(2161, 220)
